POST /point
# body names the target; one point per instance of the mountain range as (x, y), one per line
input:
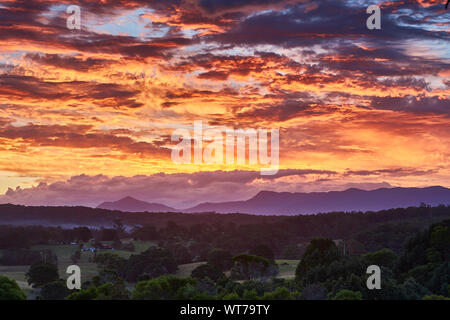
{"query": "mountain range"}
(287, 203)
(130, 204)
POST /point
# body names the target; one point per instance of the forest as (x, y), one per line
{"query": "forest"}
(315, 257)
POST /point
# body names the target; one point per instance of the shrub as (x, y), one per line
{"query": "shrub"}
(348, 295)
(9, 290)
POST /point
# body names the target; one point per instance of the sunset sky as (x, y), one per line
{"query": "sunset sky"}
(86, 115)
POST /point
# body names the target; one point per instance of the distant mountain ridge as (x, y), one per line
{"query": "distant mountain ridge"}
(286, 203)
(266, 207)
(130, 204)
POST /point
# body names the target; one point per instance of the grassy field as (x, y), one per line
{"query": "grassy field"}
(64, 252)
(184, 270)
(287, 268)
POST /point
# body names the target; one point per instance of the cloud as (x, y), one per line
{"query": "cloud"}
(79, 136)
(182, 190)
(179, 190)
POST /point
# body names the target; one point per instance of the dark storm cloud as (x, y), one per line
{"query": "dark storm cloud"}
(68, 62)
(413, 104)
(330, 20)
(80, 136)
(32, 87)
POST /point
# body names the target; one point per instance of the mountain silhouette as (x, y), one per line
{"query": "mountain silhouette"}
(130, 204)
(286, 203)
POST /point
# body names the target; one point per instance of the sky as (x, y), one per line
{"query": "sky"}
(87, 115)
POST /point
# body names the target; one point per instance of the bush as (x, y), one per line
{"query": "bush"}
(40, 274)
(384, 257)
(247, 267)
(435, 297)
(280, 293)
(319, 252)
(162, 288)
(207, 271)
(315, 292)
(348, 295)
(107, 291)
(154, 262)
(221, 259)
(231, 296)
(56, 290)
(250, 295)
(9, 290)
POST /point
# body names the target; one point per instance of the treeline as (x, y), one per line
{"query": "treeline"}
(285, 236)
(83, 216)
(26, 236)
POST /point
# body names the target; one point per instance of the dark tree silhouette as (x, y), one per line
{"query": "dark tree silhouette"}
(446, 6)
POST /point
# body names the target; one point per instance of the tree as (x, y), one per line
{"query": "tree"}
(106, 291)
(40, 274)
(440, 279)
(207, 271)
(319, 252)
(56, 290)
(109, 234)
(9, 290)
(413, 290)
(385, 257)
(168, 287)
(250, 294)
(82, 233)
(315, 292)
(280, 293)
(248, 267)
(348, 295)
(221, 259)
(179, 252)
(147, 233)
(440, 239)
(153, 262)
(231, 296)
(435, 297)
(110, 262)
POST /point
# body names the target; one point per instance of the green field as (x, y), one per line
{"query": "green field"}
(184, 270)
(287, 268)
